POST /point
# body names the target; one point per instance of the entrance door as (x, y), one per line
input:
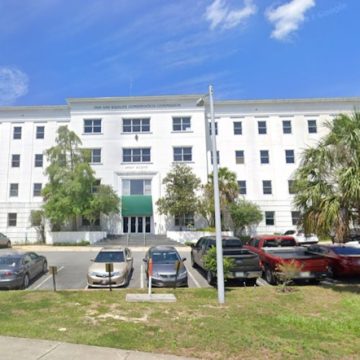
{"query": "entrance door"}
(137, 224)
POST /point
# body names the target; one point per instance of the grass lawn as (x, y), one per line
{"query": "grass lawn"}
(311, 322)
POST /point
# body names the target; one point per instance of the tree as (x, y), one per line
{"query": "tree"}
(37, 221)
(244, 214)
(69, 192)
(328, 181)
(228, 192)
(180, 197)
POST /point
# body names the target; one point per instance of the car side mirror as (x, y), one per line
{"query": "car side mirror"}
(183, 259)
(193, 246)
(145, 260)
(129, 258)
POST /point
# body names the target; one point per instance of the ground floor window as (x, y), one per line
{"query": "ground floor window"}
(185, 220)
(269, 217)
(12, 219)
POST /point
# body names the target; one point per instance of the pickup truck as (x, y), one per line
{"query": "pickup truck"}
(247, 266)
(274, 250)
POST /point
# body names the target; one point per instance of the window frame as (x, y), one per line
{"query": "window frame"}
(181, 126)
(36, 191)
(312, 126)
(12, 220)
(131, 128)
(290, 156)
(128, 155)
(38, 160)
(264, 157)
(17, 132)
(294, 217)
(15, 163)
(267, 187)
(269, 215)
(242, 186)
(40, 134)
(89, 126)
(287, 128)
(14, 190)
(239, 157)
(216, 128)
(262, 127)
(182, 148)
(94, 157)
(217, 157)
(239, 130)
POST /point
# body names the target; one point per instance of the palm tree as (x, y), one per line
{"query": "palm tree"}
(328, 180)
(228, 192)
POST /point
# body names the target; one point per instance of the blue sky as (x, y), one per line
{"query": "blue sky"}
(51, 50)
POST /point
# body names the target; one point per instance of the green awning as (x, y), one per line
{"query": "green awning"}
(136, 205)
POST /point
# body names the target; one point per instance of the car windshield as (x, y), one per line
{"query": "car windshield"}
(9, 260)
(110, 257)
(227, 243)
(279, 243)
(162, 257)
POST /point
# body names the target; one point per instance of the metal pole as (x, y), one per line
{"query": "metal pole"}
(219, 252)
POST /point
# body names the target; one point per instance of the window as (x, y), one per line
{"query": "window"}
(92, 126)
(242, 187)
(286, 126)
(267, 187)
(17, 132)
(264, 157)
(136, 187)
(38, 160)
(185, 220)
(262, 127)
(295, 217)
(289, 156)
(12, 219)
(239, 157)
(217, 157)
(136, 125)
(312, 127)
(95, 186)
(14, 190)
(269, 218)
(237, 128)
(40, 132)
(135, 155)
(95, 156)
(181, 123)
(216, 128)
(15, 160)
(37, 189)
(182, 154)
(291, 186)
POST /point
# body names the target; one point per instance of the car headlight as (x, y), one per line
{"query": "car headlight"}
(115, 273)
(92, 273)
(182, 275)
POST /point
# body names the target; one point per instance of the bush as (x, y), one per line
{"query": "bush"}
(210, 262)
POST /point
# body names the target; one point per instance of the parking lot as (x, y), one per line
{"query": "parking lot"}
(72, 266)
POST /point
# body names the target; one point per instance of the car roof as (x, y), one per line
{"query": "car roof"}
(162, 248)
(213, 237)
(274, 237)
(13, 253)
(112, 249)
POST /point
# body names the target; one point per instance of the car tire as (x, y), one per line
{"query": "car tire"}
(8, 244)
(26, 281)
(270, 276)
(44, 267)
(210, 278)
(193, 263)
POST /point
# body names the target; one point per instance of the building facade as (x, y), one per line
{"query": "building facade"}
(134, 142)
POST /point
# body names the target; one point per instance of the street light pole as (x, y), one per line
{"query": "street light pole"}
(219, 252)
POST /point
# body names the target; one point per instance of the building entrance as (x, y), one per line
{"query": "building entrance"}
(136, 224)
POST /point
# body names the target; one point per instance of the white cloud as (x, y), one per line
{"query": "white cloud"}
(13, 84)
(288, 17)
(219, 14)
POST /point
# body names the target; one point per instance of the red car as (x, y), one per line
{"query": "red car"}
(344, 260)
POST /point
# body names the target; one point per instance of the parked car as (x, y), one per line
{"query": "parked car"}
(122, 261)
(274, 250)
(344, 260)
(302, 238)
(4, 241)
(246, 269)
(18, 268)
(164, 261)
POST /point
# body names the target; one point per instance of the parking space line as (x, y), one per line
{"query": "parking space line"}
(193, 279)
(45, 280)
(142, 276)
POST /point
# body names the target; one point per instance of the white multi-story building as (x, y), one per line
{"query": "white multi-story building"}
(134, 142)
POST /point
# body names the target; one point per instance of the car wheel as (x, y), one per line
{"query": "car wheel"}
(269, 276)
(193, 263)
(26, 281)
(210, 278)
(44, 268)
(8, 245)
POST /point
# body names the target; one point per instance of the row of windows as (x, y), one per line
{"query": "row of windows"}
(270, 218)
(183, 124)
(266, 185)
(40, 132)
(264, 156)
(14, 189)
(38, 160)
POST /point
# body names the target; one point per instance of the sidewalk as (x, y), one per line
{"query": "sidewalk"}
(13, 348)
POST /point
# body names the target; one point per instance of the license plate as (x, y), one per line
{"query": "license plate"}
(305, 274)
(104, 282)
(239, 274)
